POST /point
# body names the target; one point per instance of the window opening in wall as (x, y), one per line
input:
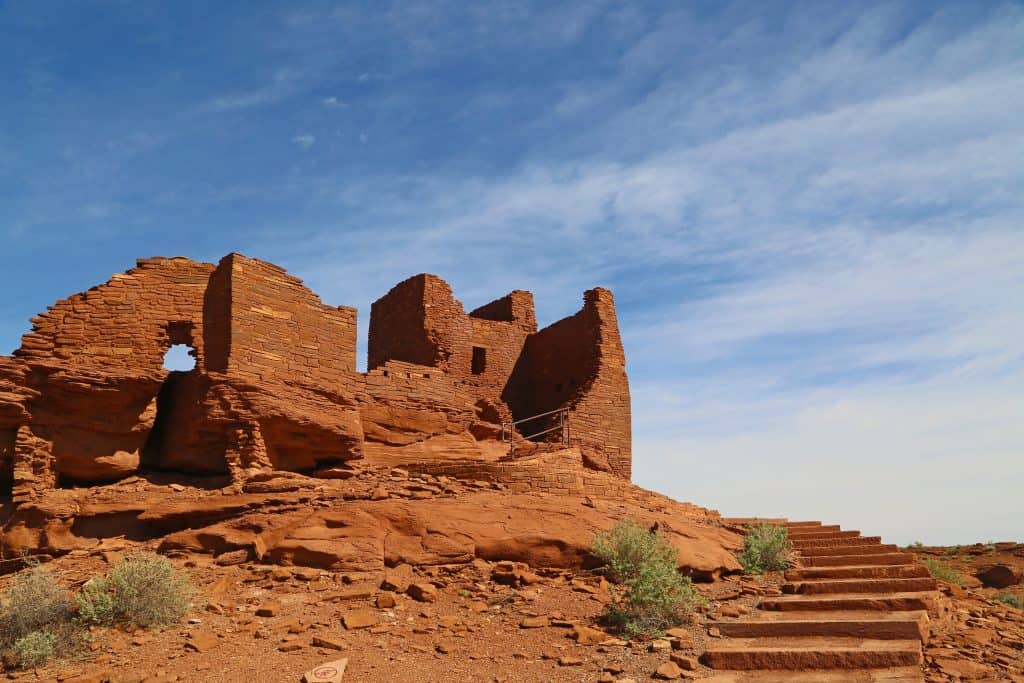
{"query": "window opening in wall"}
(180, 358)
(479, 360)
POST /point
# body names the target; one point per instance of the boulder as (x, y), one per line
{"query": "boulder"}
(999, 576)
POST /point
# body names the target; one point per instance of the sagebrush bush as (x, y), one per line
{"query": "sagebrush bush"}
(34, 602)
(37, 622)
(143, 590)
(653, 595)
(766, 548)
(35, 648)
(943, 572)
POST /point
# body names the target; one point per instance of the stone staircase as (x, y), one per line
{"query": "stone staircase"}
(852, 609)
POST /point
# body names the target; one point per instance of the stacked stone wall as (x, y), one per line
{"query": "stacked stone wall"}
(279, 330)
(127, 323)
(402, 403)
(86, 399)
(419, 321)
(579, 362)
(560, 472)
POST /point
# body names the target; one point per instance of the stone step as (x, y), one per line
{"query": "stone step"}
(811, 653)
(818, 528)
(889, 558)
(902, 674)
(823, 535)
(850, 624)
(871, 571)
(802, 525)
(743, 521)
(837, 542)
(903, 602)
(833, 586)
(866, 549)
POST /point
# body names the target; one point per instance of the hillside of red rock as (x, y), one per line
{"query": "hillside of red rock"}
(428, 519)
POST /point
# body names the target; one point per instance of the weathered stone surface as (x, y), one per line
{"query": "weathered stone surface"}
(999, 576)
(98, 440)
(359, 619)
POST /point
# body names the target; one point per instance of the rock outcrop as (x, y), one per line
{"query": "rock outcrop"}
(97, 439)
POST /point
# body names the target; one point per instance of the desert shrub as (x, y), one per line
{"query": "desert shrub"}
(766, 548)
(96, 602)
(652, 595)
(34, 602)
(144, 590)
(953, 551)
(942, 571)
(37, 622)
(1011, 600)
(35, 648)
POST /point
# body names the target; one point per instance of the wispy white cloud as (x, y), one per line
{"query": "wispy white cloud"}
(811, 217)
(854, 337)
(284, 83)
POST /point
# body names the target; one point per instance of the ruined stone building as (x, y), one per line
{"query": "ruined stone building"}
(86, 400)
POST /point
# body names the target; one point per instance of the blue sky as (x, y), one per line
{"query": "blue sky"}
(810, 213)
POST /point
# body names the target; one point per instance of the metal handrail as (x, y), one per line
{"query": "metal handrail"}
(508, 432)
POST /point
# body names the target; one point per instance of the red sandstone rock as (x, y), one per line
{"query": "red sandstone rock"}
(275, 395)
(999, 576)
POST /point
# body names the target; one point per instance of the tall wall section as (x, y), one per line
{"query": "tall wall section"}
(264, 324)
(500, 329)
(579, 362)
(419, 321)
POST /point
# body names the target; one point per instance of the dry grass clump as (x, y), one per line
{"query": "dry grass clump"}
(943, 572)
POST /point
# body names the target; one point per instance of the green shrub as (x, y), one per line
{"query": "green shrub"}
(1011, 600)
(37, 622)
(953, 551)
(34, 602)
(144, 590)
(35, 649)
(652, 595)
(942, 571)
(766, 548)
(96, 602)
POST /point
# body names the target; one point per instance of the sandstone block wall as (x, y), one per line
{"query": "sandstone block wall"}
(560, 472)
(579, 362)
(86, 399)
(127, 323)
(500, 330)
(274, 328)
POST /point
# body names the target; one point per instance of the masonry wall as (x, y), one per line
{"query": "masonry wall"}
(402, 403)
(560, 472)
(579, 362)
(277, 329)
(419, 321)
(500, 329)
(127, 323)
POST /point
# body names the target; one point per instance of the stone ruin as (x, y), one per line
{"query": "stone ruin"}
(86, 400)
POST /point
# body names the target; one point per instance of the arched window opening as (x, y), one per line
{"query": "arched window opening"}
(180, 358)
